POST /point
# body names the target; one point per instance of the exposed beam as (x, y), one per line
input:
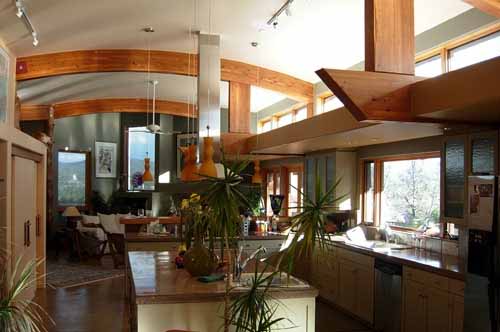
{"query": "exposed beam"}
(469, 95)
(91, 61)
(370, 95)
(491, 7)
(389, 36)
(239, 107)
(84, 107)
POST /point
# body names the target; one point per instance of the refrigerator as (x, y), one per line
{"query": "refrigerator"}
(482, 289)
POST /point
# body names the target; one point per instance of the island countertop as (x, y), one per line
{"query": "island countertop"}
(146, 237)
(156, 280)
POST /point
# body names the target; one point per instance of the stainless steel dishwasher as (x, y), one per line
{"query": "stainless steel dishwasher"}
(388, 289)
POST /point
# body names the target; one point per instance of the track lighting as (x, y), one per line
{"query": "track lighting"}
(285, 8)
(35, 39)
(21, 14)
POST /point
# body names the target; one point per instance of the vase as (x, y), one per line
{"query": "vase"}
(200, 261)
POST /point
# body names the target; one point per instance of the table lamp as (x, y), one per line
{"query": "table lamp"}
(72, 214)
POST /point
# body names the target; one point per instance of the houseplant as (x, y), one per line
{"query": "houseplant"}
(16, 313)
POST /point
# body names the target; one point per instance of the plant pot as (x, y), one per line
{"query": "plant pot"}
(199, 261)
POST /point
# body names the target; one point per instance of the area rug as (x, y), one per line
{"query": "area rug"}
(63, 274)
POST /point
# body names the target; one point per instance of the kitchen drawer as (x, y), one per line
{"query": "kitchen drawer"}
(153, 246)
(426, 278)
(457, 287)
(361, 259)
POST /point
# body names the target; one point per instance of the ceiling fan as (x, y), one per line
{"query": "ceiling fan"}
(153, 128)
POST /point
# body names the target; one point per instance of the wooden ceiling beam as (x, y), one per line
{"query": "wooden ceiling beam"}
(491, 7)
(94, 106)
(166, 62)
(371, 95)
(390, 36)
(469, 95)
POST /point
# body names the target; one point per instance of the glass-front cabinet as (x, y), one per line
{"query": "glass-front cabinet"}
(462, 156)
(454, 166)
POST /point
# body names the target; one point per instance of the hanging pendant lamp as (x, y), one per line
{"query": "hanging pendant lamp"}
(207, 167)
(257, 177)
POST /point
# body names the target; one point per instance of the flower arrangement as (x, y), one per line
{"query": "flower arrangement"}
(137, 180)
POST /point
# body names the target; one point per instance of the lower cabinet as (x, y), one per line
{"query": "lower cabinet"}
(429, 303)
(356, 285)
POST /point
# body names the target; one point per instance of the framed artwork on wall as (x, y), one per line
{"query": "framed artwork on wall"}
(105, 160)
(182, 141)
(4, 83)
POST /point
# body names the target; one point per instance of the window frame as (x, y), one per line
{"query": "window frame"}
(125, 161)
(378, 184)
(274, 119)
(444, 50)
(88, 179)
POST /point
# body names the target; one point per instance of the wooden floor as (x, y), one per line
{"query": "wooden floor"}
(100, 307)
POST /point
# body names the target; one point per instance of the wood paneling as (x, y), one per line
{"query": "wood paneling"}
(370, 95)
(76, 108)
(34, 112)
(239, 107)
(468, 95)
(90, 61)
(389, 36)
(491, 7)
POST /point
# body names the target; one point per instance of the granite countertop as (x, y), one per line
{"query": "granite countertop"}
(146, 237)
(446, 265)
(156, 280)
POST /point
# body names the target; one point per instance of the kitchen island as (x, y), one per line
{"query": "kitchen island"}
(165, 298)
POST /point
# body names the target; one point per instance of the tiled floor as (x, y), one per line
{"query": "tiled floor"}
(100, 307)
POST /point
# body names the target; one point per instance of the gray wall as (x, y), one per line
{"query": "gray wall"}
(81, 133)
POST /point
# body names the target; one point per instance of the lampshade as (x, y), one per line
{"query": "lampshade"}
(71, 211)
(147, 176)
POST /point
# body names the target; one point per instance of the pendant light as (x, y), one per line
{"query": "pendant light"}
(257, 177)
(189, 170)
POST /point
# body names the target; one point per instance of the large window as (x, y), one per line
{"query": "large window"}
(285, 120)
(479, 50)
(141, 144)
(295, 191)
(402, 192)
(430, 67)
(73, 178)
(301, 114)
(460, 53)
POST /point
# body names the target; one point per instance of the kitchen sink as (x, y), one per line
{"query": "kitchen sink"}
(380, 246)
(279, 281)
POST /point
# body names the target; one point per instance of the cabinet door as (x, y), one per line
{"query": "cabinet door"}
(438, 310)
(483, 147)
(414, 319)
(24, 215)
(457, 313)
(454, 179)
(365, 290)
(347, 286)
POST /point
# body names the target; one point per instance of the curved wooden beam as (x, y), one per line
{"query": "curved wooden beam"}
(491, 7)
(93, 106)
(166, 62)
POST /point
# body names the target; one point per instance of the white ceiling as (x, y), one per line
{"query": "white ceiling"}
(58, 89)
(321, 33)
(261, 98)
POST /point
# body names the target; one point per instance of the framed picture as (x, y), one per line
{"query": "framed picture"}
(4, 84)
(105, 160)
(183, 140)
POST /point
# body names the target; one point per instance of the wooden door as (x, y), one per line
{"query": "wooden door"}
(438, 310)
(365, 289)
(414, 319)
(457, 313)
(24, 211)
(347, 286)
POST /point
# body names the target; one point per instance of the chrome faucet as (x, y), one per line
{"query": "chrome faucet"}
(240, 267)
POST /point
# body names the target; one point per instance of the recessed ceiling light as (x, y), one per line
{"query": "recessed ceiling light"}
(148, 29)
(254, 44)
